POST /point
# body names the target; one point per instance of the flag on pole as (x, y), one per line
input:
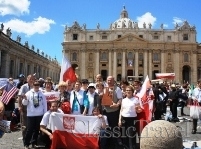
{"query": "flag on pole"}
(67, 72)
(165, 76)
(146, 96)
(74, 131)
(8, 92)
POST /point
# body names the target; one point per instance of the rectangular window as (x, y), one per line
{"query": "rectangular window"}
(104, 37)
(169, 38)
(75, 36)
(103, 64)
(141, 36)
(119, 36)
(156, 37)
(185, 37)
(155, 65)
(91, 37)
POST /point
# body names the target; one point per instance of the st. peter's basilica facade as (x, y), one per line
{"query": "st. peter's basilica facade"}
(124, 50)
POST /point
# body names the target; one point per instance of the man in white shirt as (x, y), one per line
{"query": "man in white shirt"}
(44, 124)
(196, 97)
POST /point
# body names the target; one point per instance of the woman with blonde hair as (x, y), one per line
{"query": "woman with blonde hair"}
(64, 98)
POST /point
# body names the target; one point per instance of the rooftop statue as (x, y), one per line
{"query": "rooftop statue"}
(150, 25)
(8, 32)
(84, 26)
(162, 26)
(98, 26)
(18, 39)
(2, 26)
(144, 25)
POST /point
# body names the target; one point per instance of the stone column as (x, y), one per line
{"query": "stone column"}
(110, 63)
(97, 71)
(7, 66)
(83, 65)
(194, 72)
(123, 75)
(150, 64)
(17, 66)
(162, 59)
(136, 63)
(115, 65)
(25, 68)
(176, 65)
(145, 63)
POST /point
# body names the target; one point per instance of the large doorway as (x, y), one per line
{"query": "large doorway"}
(186, 74)
(119, 77)
(104, 74)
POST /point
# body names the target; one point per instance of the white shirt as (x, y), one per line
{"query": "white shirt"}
(31, 96)
(79, 95)
(106, 121)
(91, 102)
(46, 117)
(196, 94)
(128, 107)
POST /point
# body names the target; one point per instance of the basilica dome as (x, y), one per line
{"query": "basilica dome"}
(124, 21)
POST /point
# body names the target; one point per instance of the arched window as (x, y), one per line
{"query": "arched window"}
(119, 57)
(140, 56)
(74, 56)
(186, 58)
(130, 55)
(156, 57)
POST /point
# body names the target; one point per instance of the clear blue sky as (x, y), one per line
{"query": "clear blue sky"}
(41, 22)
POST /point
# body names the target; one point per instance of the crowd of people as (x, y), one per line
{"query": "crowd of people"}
(86, 98)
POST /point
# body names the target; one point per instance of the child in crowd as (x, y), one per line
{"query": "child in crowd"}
(104, 124)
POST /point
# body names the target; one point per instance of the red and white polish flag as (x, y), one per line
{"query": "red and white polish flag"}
(74, 131)
(146, 97)
(165, 76)
(67, 72)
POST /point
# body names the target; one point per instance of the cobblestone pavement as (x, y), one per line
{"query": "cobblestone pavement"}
(13, 140)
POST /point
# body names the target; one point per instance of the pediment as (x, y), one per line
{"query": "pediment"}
(130, 38)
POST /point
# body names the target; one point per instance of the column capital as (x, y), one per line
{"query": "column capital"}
(176, 50)
(163, 50)
(195, 51)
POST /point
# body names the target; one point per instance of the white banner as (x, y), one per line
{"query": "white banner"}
(51, 96)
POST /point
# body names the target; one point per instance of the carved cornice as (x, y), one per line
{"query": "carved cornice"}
(176, 50)
(195, 51)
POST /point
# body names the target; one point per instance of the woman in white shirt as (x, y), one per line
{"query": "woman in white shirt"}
(36, 107)
(128, 116)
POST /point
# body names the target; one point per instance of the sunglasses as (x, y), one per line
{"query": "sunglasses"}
(36, 84)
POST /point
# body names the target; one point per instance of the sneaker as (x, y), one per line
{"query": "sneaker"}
(26, 147)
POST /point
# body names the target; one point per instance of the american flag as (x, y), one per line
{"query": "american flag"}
(8, 92)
